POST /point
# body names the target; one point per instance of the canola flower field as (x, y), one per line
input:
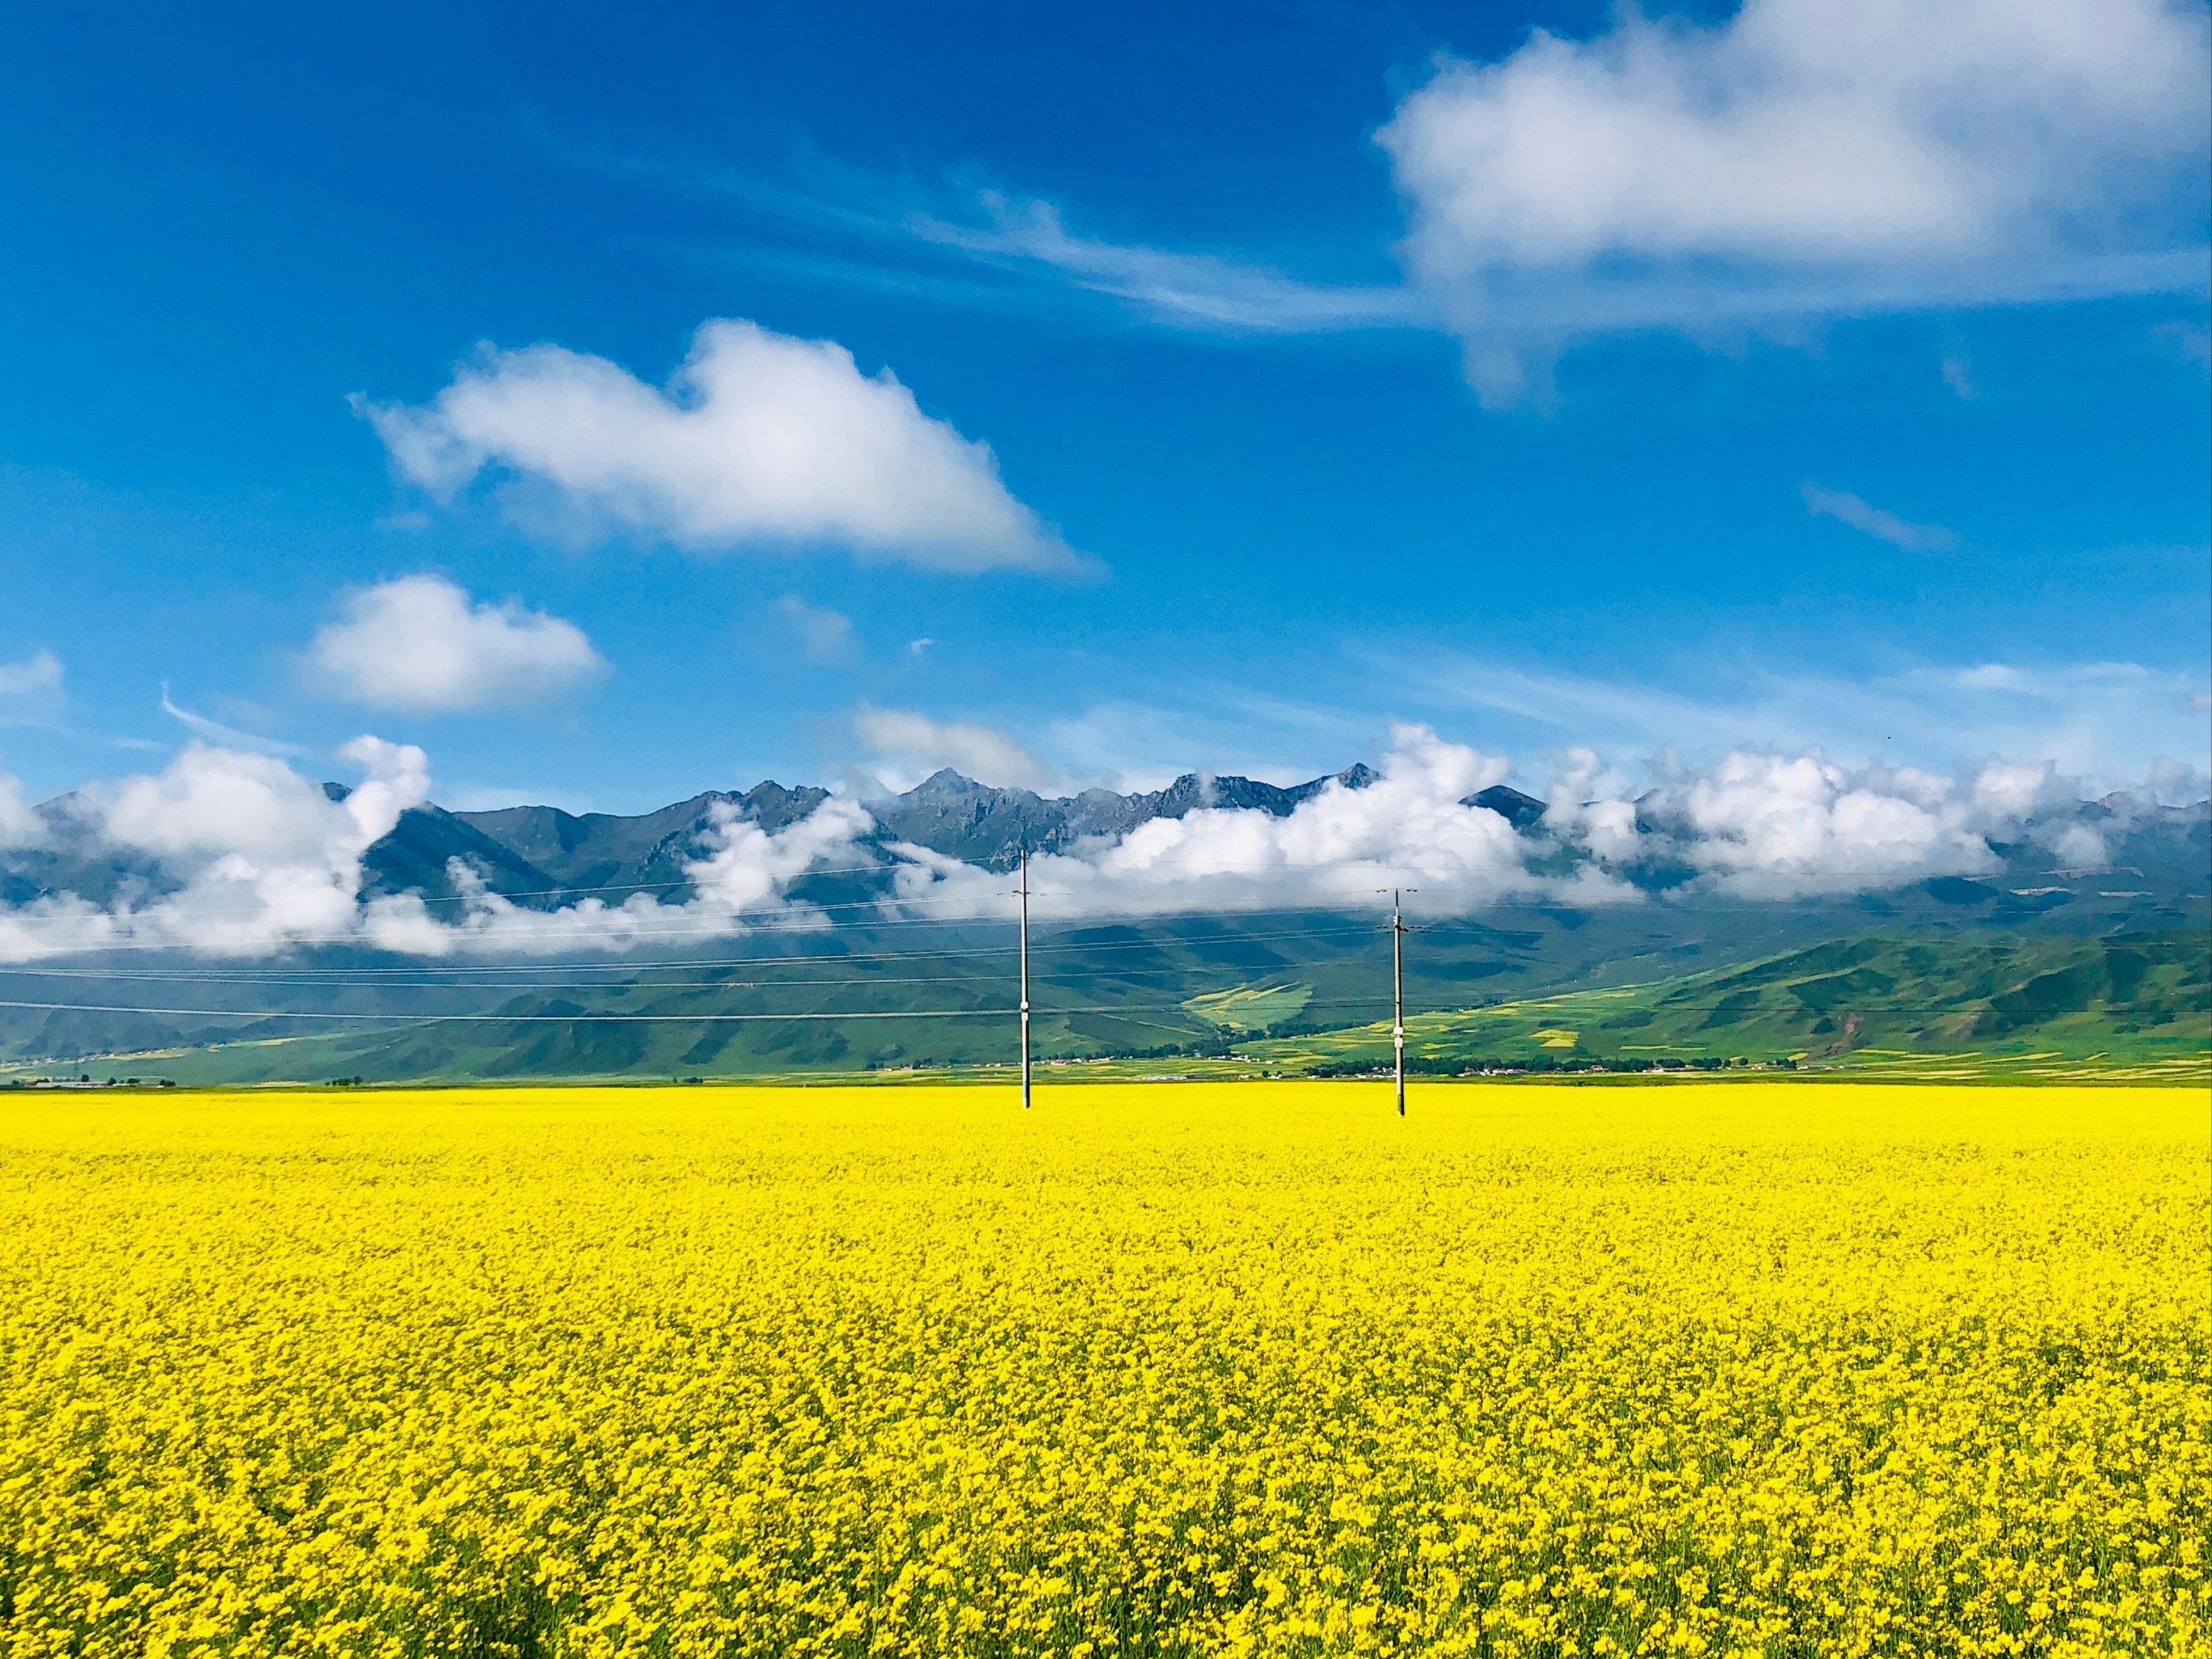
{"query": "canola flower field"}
(1259, 1369)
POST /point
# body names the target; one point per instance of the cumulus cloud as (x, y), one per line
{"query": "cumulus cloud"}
(982, 752)
(1802, 156)
(1771, 825)
(1849, 509)
(420, 644)
(759, 439)
(1587, 802)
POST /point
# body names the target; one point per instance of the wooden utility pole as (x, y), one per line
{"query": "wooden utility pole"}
(1398, 995)
(1023, 889)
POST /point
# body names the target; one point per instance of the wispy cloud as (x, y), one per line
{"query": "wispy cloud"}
(2108, 723)
(1800, 161)
(228, 737)
(900, 233)
(823, 636)
(1186, 289)
(916, 744)
(40, 672)
(1862, 516)
(31, 689)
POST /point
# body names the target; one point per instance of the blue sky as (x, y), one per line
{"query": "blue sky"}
(1336, 366)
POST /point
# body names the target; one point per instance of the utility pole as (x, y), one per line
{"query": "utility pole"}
(1023, 889)
(1398, 932)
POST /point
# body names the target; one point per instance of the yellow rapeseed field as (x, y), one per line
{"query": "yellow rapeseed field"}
(1244, 1369)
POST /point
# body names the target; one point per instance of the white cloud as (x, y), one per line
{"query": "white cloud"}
(31, 689)
(2105, 722)
(223, 736)
(19, 823)
(982, 752)
(2010, 789)
(38, 672)
(1770, 824)
(759, 439)
(212, 802)
(419, 644)
(823, 635)
(1409, 829)
(264, 857)
(1803, 155)
(261, 858)
(2078, 847)
(1587, 802)
(1846, 509)
(1959, 375)
(739, 881)
(1189, 290)
(2176, 783)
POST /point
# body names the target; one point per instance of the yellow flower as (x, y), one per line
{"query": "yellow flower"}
(1257, 1370)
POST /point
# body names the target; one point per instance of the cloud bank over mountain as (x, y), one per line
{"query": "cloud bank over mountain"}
(231, 853)
(255, 857)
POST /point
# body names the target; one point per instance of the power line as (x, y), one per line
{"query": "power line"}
(559, 1019)
(1048, 975)
(637, 964)
(1101, 1009)
(404, 1019)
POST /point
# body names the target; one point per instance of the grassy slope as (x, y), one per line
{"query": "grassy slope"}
(2139, 1001)
(2135, 1004)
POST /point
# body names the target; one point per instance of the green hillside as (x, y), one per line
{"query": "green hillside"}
(2133, 1002)
(2121, 1004)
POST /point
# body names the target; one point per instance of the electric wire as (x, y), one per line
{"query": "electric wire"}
(634, 964)
(581, 1017)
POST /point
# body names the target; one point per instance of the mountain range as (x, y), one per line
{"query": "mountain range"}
(868, 993)
(544, 857)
